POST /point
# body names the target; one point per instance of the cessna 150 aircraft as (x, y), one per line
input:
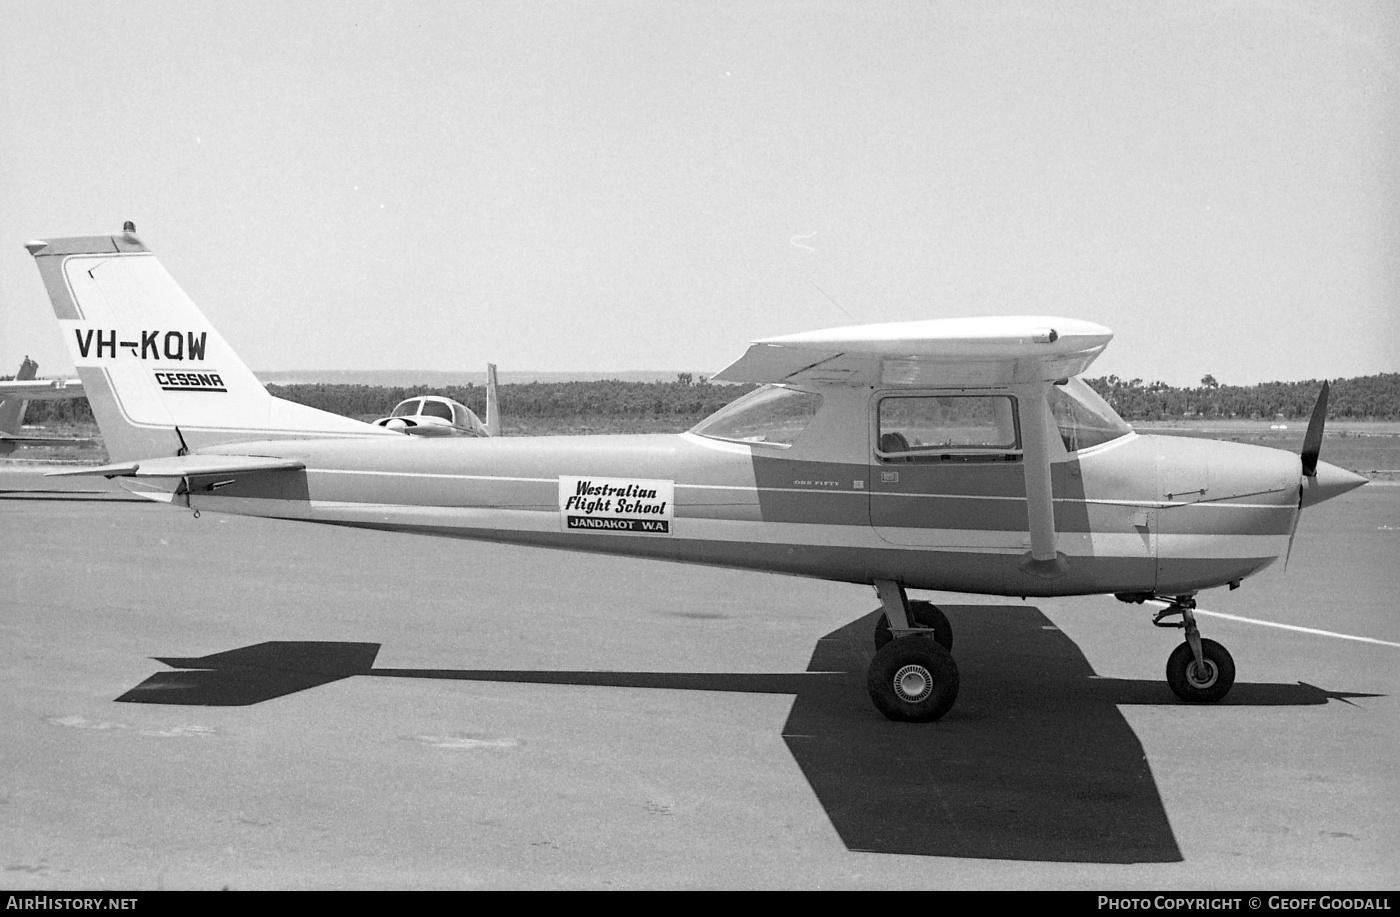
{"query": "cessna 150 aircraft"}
(959, 455)
(434, 415)
(15, 395)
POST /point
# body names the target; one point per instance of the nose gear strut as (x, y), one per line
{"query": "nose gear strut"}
(1198, 671)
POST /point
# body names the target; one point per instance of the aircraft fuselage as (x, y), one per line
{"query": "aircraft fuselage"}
(1149, 514)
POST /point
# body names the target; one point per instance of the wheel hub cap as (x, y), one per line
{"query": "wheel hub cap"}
(913, 683)
(1201, 676)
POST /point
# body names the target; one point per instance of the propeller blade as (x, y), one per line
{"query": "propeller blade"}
(1312, 447)
(1312, 442)
(1294, 534)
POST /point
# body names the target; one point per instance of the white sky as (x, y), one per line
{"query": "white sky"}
(611, 186)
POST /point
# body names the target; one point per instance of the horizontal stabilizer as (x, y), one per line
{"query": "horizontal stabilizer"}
(186, 465)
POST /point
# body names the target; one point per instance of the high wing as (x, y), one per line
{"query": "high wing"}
(1026, 354)
(952, 353)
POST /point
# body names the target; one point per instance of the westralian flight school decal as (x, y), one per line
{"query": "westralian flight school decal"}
(616, 505)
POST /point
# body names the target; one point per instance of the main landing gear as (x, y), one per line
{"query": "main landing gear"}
(1199, 671)
(913, 676)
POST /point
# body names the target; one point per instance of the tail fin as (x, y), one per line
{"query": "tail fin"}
(12, 409)
(160, 379)
(493, 416)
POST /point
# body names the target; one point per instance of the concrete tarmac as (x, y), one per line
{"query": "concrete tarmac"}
(229, 702)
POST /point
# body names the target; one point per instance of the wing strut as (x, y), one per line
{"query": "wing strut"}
(1042, 560)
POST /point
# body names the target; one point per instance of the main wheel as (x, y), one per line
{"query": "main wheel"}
(921, 614)
(1201, 684)
(913, 679)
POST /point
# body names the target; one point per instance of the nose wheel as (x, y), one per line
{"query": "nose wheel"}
(1201, 682)
(1199, 671)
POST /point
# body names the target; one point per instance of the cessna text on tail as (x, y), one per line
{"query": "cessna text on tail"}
(958, 455)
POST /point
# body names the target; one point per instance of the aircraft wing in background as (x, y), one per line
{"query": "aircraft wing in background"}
(15, 395)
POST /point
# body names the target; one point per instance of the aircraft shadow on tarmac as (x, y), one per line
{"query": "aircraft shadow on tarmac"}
(1036, 762)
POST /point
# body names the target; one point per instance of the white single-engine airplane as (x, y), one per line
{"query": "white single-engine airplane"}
(15, 395)
(959, 455)
(434, 415)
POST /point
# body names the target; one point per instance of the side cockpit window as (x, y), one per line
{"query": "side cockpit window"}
(939, 428)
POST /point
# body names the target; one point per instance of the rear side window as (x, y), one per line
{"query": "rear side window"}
(947, 427)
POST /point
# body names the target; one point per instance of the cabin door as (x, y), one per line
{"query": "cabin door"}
(946, 472)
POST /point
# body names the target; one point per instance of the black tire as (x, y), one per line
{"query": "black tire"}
(923, 614)
(913, 679)
(1201, 687)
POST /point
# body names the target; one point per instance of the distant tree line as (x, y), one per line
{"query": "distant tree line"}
(686, 400)
(1362, 398)
(61, 410)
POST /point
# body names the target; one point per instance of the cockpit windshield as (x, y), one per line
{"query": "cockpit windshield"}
(1083, 417)
(772, 416)
(406, 408)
